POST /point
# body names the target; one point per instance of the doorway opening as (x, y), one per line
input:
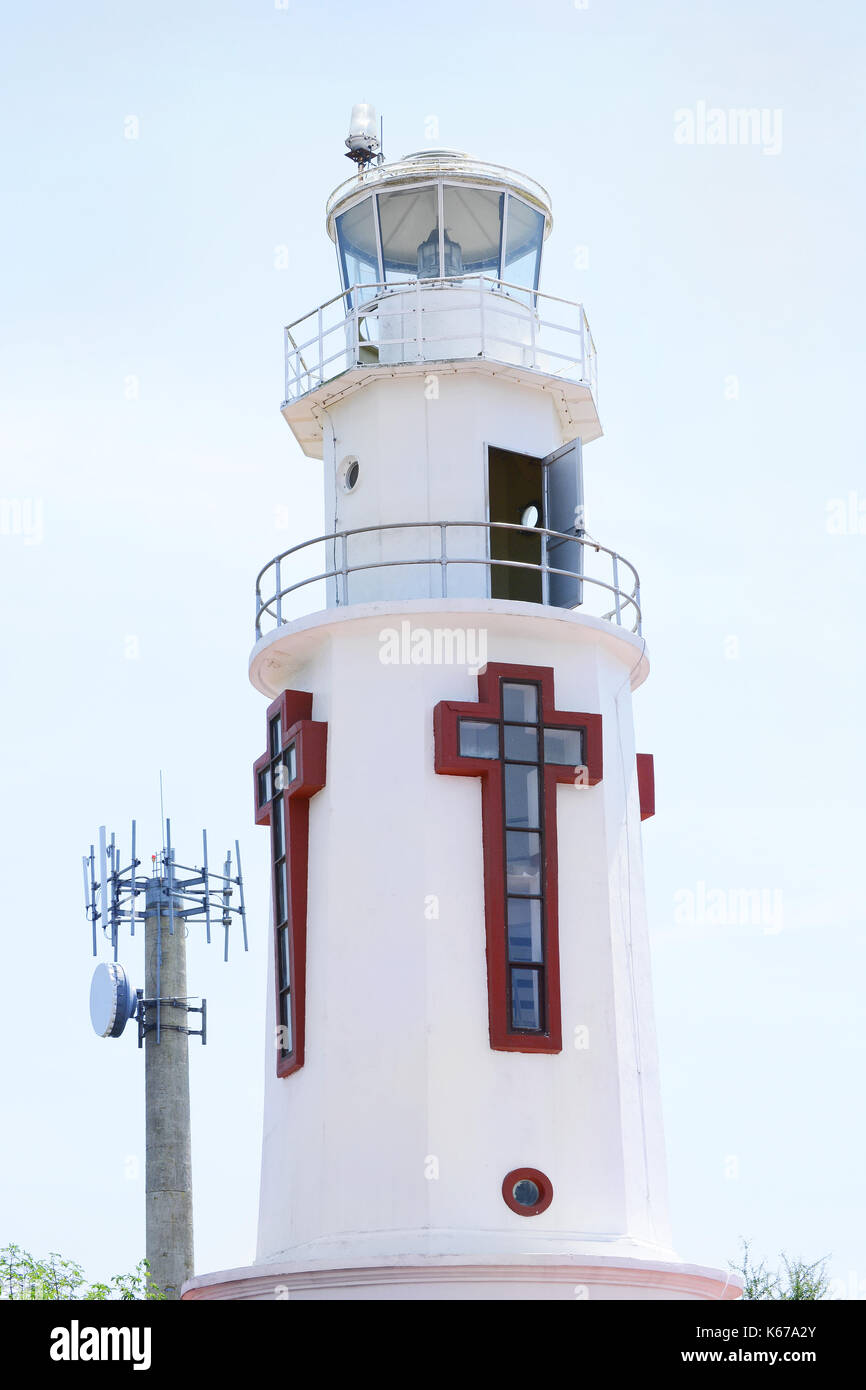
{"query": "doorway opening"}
(516, 492)
(528, 493)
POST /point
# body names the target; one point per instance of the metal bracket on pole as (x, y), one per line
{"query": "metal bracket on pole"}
(144, 1027)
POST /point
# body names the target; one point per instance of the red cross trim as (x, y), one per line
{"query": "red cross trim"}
(449, 760)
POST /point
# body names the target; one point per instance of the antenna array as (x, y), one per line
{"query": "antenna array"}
(111, 889)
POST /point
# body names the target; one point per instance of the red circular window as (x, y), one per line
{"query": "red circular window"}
(527, 1191)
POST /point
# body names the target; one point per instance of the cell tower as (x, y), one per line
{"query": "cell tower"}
(165, 901)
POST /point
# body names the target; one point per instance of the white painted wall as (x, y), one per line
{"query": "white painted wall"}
(421, 445)
(398, 1063)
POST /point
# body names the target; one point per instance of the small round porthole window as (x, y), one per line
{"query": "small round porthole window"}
(527, 1191)
(530, 515)
(350, 473)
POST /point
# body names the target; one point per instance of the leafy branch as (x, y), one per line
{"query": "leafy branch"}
(23, 1276)
(796, 1280)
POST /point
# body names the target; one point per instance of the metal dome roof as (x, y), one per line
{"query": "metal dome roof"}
(421, 166)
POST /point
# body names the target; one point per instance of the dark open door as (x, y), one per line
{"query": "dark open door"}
(515, 488)
(563, 472)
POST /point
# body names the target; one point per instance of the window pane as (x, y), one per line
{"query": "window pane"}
(285, 977)
(524, 929)
(280, 894)
(478, 740)
(522, 861)
(525, 1192)
(520, 702)
(278, 828)
(276, 736)
(521, 742)
(264, 786)
(290, 761)
(525, 999)
(521, 796)
(473, 231)
(410, 233)
(525, 229)
(564, 746)
(286, 1022)
(356, 239)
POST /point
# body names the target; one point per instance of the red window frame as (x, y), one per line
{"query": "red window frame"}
(646, 785)
(542, 1182)
(294, 709)
(448, 760)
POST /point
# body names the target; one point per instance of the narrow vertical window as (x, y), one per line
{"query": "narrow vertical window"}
(286, 776)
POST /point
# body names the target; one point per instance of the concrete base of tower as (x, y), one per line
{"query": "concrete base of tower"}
(429, 1277)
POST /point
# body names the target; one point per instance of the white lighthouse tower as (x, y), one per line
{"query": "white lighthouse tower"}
(462, 1095)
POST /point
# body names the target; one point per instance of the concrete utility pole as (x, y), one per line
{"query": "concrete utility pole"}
(116, 895)
(168, 1184)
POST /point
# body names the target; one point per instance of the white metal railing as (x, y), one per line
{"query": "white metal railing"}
(617, 594)
(452, 170)
(457, 318)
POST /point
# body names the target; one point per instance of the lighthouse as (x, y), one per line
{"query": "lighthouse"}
(462, 1093)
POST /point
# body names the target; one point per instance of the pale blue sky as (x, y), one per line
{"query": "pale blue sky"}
(154, 259)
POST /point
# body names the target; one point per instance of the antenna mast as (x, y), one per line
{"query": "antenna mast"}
(170, 898)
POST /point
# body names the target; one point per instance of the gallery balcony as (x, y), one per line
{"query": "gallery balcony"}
(470, 322)
(464, 560)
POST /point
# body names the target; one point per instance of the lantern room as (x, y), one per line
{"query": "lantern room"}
(439, 215)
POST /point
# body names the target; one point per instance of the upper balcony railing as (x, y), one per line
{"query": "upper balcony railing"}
(447, 559)
(471, 316)
(439, 164)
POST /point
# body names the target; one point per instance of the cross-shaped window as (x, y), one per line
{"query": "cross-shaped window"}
(286, 776)
(521, 747)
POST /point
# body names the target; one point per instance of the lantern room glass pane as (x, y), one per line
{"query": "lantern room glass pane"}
(359, 252)
(473, 230)
(409, 222)
(523, 236)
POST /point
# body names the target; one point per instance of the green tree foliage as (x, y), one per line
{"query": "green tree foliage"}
(796, 1279)
(22, 1276)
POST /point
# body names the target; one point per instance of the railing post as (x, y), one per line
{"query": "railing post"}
(583, 375)
(532, 303)
(258, 610)
(637, 601)
(616, 591)
(321, 346)
(286, 360)
(483, 319)
(356, 343)
(545, 571)
(345, 567)
(443, 559)
(419, 337)
(279, 592)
